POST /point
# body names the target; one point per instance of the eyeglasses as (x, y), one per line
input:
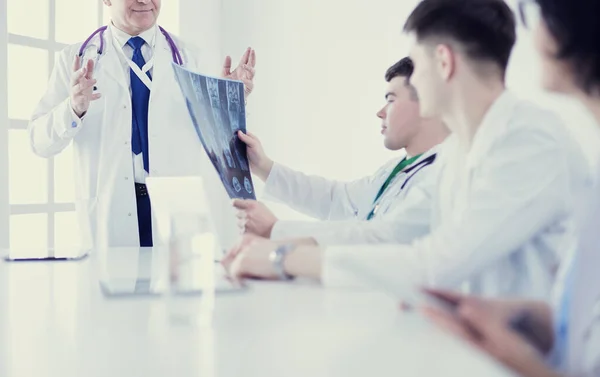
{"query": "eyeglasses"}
(529, 13)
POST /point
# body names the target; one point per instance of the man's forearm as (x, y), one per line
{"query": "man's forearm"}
(306, 241)
(264, 170)
(305, 261)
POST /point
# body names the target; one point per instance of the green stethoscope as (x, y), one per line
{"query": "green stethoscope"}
(400, 167)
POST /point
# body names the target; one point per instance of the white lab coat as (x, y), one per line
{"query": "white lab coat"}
(583, 350)
(502, 213)
(404, 209)
(102, 157)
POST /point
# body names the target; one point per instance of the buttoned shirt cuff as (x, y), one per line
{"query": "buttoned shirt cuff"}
(70, 124)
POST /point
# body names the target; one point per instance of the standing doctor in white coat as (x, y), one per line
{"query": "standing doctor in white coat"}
(114, 97)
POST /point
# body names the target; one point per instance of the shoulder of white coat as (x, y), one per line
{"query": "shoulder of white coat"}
(550, 127)
(529, 127)
(527, 115)
(549, 123)
(190, 51)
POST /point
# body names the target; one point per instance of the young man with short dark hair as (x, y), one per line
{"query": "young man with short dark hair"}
(392, 205)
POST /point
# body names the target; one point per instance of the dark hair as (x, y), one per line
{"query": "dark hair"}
(575, 27)
(485, 28)
(403, 68)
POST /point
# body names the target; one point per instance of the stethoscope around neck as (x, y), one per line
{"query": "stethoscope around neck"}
(100, 32)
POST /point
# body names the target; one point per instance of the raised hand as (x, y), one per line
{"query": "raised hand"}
(244, 72)
(82, 86)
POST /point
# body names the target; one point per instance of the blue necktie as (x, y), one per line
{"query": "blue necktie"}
(140, 95)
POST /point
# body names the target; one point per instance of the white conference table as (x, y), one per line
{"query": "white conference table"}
(55, 321)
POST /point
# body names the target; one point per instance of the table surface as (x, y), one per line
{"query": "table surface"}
(55, 321)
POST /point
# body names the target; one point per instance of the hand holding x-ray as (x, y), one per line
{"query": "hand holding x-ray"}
(260, 163)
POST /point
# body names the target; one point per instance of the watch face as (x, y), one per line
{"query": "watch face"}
(277, 257)
(273, 256)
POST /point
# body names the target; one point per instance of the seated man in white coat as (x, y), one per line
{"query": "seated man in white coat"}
(509, 175)
(354, 211)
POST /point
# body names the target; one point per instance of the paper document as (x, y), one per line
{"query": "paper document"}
(218, 112)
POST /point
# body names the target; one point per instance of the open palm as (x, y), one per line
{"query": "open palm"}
(244, 72)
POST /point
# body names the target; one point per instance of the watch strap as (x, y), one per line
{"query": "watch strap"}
(277, 258)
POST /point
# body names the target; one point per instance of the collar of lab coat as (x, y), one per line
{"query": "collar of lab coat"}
(494, 124)
(162, 60)
(433, 150)
(122, 37)
(393, 163)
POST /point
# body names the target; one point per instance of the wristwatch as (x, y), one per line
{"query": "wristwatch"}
(277, 257)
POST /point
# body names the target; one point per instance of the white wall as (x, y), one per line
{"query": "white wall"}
(319, 83)
(200, 23)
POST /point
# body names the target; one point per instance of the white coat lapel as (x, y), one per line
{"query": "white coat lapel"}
(163, 71)
(164, 86)
(110, 64)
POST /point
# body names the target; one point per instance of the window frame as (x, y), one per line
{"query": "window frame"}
(4, 204)
(50, 207)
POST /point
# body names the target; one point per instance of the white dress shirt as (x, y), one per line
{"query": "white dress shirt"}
(122, 38)
(502, 213)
